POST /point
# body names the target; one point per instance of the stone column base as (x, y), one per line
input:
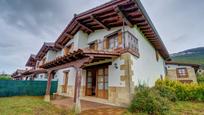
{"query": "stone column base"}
(47, 98)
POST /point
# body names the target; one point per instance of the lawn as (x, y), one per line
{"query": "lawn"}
(25, 105)
(182, 108)
(28, 106)
(188, 108)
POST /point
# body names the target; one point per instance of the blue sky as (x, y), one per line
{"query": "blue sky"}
(25, 25)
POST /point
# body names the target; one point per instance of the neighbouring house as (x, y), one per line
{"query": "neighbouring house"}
(17, 75)
(104, 53)
(33, 71)
(183, 72)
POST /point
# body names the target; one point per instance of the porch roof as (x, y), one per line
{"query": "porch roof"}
(111, 15)
(34, 71)
(80, 54)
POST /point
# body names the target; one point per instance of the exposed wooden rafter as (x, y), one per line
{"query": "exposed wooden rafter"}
(122, 15)
(59, 46)
(99, 22)
(68, 35)
(85, 27)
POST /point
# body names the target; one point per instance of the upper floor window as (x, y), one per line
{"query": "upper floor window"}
(182, 72)
(93, 45)
(113, 40)
(67, 49)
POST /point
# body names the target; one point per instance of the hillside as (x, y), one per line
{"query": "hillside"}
(195, 55)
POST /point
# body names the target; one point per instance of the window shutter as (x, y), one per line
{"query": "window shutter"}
(120, 38)
(96, 46)
(65, 51)
(105, 43)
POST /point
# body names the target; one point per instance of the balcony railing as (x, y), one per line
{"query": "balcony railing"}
(128, 41)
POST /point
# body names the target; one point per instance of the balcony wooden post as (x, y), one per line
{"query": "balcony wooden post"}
(77, 104)
(49, 80)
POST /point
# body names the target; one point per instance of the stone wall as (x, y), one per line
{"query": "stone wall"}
(123, 95)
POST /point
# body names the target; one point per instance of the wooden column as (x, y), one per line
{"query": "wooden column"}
(77, 103)
(47, 94)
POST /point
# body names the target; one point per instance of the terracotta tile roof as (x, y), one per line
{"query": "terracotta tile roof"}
(182, 63)
(79, 54)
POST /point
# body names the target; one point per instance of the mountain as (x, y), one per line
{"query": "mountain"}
(195, 55)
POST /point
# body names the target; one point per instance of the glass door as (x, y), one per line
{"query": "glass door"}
(90, 82)
(102, 82)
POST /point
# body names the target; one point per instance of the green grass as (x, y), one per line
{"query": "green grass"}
(5, 77)
(181, 108)
(28, 106)
(187, 108)
(195, 59)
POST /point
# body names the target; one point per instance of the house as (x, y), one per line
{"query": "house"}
(105, 52)
(183, 72)
(17, 75)
(33, 71)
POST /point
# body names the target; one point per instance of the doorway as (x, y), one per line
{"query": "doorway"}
(65, 82)
(97, 82)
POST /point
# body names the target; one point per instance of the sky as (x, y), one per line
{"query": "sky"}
(26, 24)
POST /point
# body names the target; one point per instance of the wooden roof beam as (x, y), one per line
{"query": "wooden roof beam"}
(122, 15)
(99, 22)
(59, 46)
(68, 35)
(85, 27)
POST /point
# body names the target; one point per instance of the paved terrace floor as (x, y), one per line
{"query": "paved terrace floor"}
(89, 108)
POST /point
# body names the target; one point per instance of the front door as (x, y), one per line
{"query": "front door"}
(102, 82)
(91, 82)
(64, 87)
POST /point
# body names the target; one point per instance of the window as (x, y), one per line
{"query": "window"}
(93, 45)
(113, 41)
(182, 72)
(67, 49)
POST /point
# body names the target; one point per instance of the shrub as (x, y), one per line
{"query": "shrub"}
(200, 78)
(183, 92)
(168, 92)
(5, 78)
(148, 100)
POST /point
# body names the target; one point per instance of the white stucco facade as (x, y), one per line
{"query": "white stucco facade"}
(146, 68)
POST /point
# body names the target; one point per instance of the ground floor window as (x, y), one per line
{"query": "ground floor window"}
(182, 72)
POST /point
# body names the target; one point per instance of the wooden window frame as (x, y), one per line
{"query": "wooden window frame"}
(182, 76)
(93, 45)
(117, 42)
(68, 48)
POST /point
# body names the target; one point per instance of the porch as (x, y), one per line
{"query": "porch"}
(88, 107)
